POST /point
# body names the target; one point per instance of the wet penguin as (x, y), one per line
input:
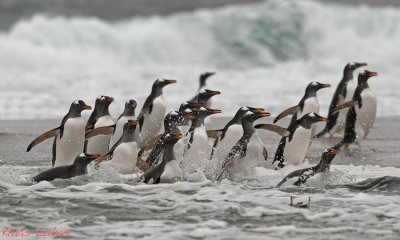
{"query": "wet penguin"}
(362, 113)
(309, 103)
(168, 170)
(99, 118)
(124, 152)
(203, 82)
(153, 112)
(293, 148)
(301, 176)
(343, 93)
(227, 137)
(69, 137)
(243, 157)
(128, 114)
(77, 168)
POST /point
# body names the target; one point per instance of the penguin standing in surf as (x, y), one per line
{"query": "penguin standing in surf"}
(203, 83)
(128, 114)
(69, 137)
(308, 104)
(303, 175)
(99, 118)
(153, 112)
(78, 167)
(124, 152)
(343, 93)
(362, 113)
(293, 148)
(168, 170)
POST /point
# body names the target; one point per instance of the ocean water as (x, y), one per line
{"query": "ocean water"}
(264, 54)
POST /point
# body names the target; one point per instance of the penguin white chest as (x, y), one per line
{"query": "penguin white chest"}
(246, 167)
(99, 144)
(124, 158)
(232, 136)
(119, 127)
(311, 105)
(366, 114)
(296, 149)
(197, 151)
(72, 142)
(172, 172)
(153, 121)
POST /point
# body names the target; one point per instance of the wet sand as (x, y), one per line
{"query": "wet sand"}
(380, 148)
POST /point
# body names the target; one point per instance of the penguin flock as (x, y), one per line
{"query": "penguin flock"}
(180, 145)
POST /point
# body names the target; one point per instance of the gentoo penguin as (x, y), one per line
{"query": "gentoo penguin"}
(69, 137)
(227, 137)
(293, 148)
(204, 96)
(244, 156)
(343, 93)
(153, 111)
(196, 149)
(302, 175)
(168, 170)
(124, 152)
(128, 114)
(202, 80)
(361, 116)
(100, 118)
(171, 122)
(77, 168)
(309, 103)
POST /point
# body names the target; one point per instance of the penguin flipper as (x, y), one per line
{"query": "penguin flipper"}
(107, 130)
(273, 128)
(297, 173)
(348, 104)
(49, 134)
(287, 112)
(214, 133)
(265, 153)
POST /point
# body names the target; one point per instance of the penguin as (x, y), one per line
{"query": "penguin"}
(227, 137)
(243, 157)
(293, 148)
(309, 103)
(171, 122)
(362, 113)
(128, 114)
(100, 118)
(204, 97)
(302, 175)
(78, 167)
(69, 137)
(196, 149)
(343, 93)
(153, 111)
(168, 170)
(202, 80)
(124, 152)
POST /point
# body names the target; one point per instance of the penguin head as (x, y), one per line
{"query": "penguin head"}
(364, 76)
(210, 111)
(206, 94)
(311, 118)
(130, 107)
(160, 83)
(351, 67)
(175, 118)
(79, 105)
(204, 76)
(328, 155)
(173, 138)
(84, 159)
(130, 125)
(315, 86)
(252, 116)
(189, 105)
(106, 100)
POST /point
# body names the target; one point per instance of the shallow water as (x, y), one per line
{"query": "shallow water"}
(106, 205)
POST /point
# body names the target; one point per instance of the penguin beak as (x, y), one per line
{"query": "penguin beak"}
(210, 73)
(92, 156)
(324, 85)
(214, 111)
(256, 110)
(133, 105)
(358, 65)
(263, 114)
(169, 81)
(175, 137)
(86, 107)
(188, 116)
(371, 74)
(322, 119)
(195, 105)
(110, 99)
(212, 93)
(132, 122)
(332, 151)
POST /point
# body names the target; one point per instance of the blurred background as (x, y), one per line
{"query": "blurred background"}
(264, 52)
